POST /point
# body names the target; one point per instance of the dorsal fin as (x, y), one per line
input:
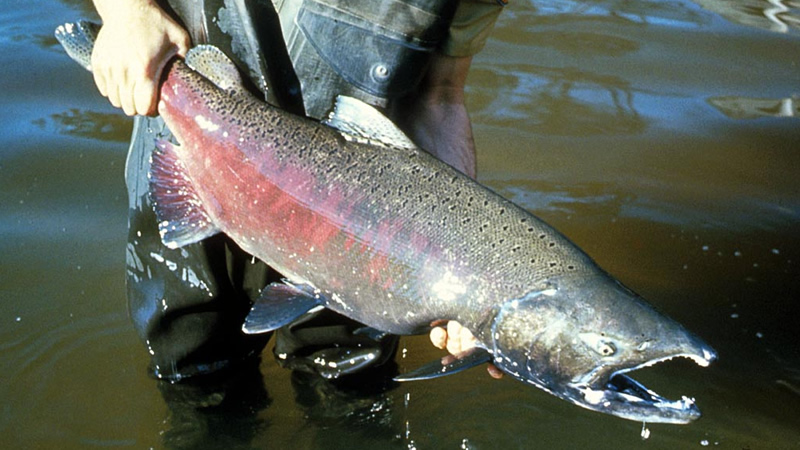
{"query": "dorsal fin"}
(214, 65)
(361, 122)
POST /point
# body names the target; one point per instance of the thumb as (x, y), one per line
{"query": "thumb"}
(181, 41)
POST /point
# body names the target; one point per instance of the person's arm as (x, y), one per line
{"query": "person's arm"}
(135, 43)
(435, 116)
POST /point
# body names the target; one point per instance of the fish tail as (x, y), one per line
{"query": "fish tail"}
(78, 41)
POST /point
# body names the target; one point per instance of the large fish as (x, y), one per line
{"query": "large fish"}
(361, 221)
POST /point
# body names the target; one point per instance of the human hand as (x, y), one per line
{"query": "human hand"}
(456, 339)
(135, 43)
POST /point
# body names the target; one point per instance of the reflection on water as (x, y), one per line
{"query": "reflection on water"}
(565, 101)
(753, 108)
(223, 412)
(89, 124)
(618, 11)
(617, 121)
(781, 16)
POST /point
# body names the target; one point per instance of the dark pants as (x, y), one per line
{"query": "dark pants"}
(187, 304)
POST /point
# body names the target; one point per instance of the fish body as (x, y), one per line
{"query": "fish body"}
(361, 221)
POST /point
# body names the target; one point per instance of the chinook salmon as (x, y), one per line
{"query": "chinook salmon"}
(361, 221)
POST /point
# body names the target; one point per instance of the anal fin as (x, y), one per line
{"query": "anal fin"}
(182, 220)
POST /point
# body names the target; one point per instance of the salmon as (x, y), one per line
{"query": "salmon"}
(360, 220)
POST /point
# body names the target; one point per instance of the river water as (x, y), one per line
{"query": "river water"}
(663, 137)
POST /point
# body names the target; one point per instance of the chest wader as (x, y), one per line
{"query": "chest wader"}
(188, 304)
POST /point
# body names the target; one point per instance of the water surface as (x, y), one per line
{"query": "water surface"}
(661, 136)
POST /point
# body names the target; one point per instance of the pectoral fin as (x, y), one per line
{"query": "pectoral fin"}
(448, 365)
(279, 304)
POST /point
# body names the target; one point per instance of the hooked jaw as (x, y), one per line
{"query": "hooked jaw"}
(618, 394)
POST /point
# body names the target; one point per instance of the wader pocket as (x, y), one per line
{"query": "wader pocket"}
(382, 48)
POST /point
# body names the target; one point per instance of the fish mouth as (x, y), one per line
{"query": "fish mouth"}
(622, 396)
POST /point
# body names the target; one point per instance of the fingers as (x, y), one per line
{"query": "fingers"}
(438, 337)
(494, 372)
(455, 338)
(138, 95)
(126, 101)
(180, 38)
(145, 97)
(131, 51)
(459, 339)
(116, 88)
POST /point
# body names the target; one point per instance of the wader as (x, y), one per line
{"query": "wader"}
(188, 304)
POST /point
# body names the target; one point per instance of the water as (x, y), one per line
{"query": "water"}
(661, 136)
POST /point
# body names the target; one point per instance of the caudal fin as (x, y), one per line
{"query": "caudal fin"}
(78, 41)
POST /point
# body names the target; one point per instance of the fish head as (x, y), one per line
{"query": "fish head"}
(577, 339)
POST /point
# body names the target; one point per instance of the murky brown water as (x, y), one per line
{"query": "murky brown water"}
(661, 136)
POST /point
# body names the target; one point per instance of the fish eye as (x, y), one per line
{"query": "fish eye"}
(599, 343)
(606, 348)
